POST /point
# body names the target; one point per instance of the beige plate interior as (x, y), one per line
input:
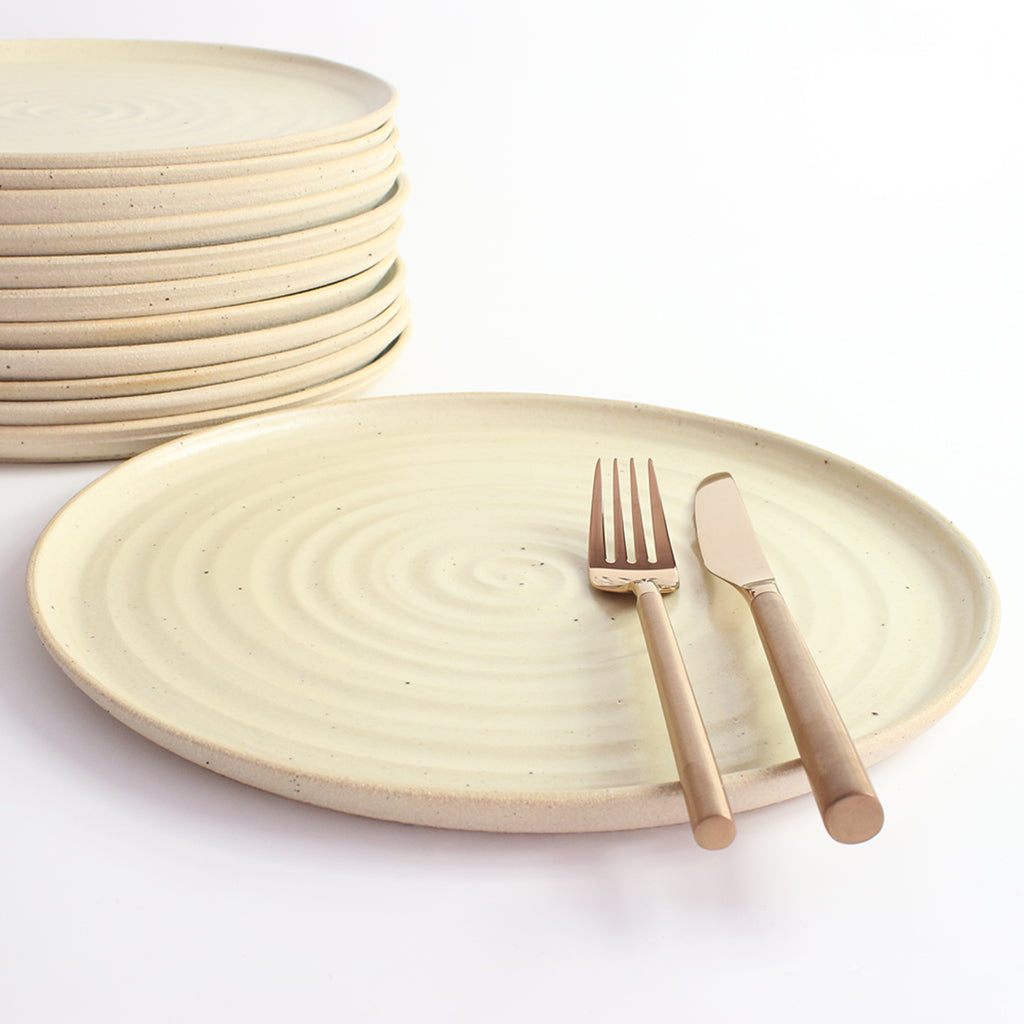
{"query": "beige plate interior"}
(110, 103)
(382, 607)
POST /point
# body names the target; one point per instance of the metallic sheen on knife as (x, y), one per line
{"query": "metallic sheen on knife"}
(730, 550)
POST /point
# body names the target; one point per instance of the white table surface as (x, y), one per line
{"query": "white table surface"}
(802, 216)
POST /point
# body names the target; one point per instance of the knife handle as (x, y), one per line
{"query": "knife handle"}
(706, 803)
(847, 802)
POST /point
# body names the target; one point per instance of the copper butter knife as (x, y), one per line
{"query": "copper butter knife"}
(730, 550)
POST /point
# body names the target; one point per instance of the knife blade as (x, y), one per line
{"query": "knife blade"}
(731, 551)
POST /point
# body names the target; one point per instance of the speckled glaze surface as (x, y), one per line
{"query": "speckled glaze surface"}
(243, 382)
(187, 294)
(110, 103)
(120, 268)
(34, 351)
(92, 442)
(236, 223)
(349, 330)
(169, 174)
(101, 370)
(382, 607)
(60, 205)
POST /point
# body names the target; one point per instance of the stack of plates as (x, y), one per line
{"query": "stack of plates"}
(188, 233)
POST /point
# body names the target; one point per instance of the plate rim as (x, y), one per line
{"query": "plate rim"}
(285, 143)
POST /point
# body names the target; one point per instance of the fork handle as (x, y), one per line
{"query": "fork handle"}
(706, 803)
(846, 799)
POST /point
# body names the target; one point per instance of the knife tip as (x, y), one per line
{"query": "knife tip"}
(713, 479)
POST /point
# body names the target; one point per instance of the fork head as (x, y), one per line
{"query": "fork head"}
(616, 571)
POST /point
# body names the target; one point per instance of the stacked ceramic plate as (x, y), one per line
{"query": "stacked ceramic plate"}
(188, 234)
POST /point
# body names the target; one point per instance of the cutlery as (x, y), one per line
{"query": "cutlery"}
(648, 577)
(730, 550)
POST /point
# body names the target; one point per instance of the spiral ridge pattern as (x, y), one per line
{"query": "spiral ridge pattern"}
(88, 102)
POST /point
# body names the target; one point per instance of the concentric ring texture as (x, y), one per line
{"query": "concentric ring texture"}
(110, 102)
(382, 607)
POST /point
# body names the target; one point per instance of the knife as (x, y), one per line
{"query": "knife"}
(730, 550)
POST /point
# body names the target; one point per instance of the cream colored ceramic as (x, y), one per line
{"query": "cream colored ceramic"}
(252, 381)
(28, 305)
(382, 607)
(90, 442)
(129, 202)
(38, 374)
(86, 270)
(34, 339)
(169, 174)
(211, 227)
(44, 391)
(115, 103)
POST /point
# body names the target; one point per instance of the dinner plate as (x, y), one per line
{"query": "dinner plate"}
(382, 607)
(248, 381)
(190, 376)
(90, 269)
(63, 205)
(91, 442)
(187, 294)
(112, 103)
(166, 174)
(36, 338)
(25, 367)
(209, 227)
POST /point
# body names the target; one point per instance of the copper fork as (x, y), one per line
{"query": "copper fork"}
(649, 577)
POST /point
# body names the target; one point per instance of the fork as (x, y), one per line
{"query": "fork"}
(649, 578)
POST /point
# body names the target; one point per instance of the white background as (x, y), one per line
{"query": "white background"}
(805, 216)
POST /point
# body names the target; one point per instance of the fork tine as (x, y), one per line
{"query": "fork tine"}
(597, 545)
(662, 544)
(618, 526)
(618, 557)
(640, 555)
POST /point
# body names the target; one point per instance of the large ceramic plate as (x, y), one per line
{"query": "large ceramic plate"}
(111, 103)
(382, 607)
